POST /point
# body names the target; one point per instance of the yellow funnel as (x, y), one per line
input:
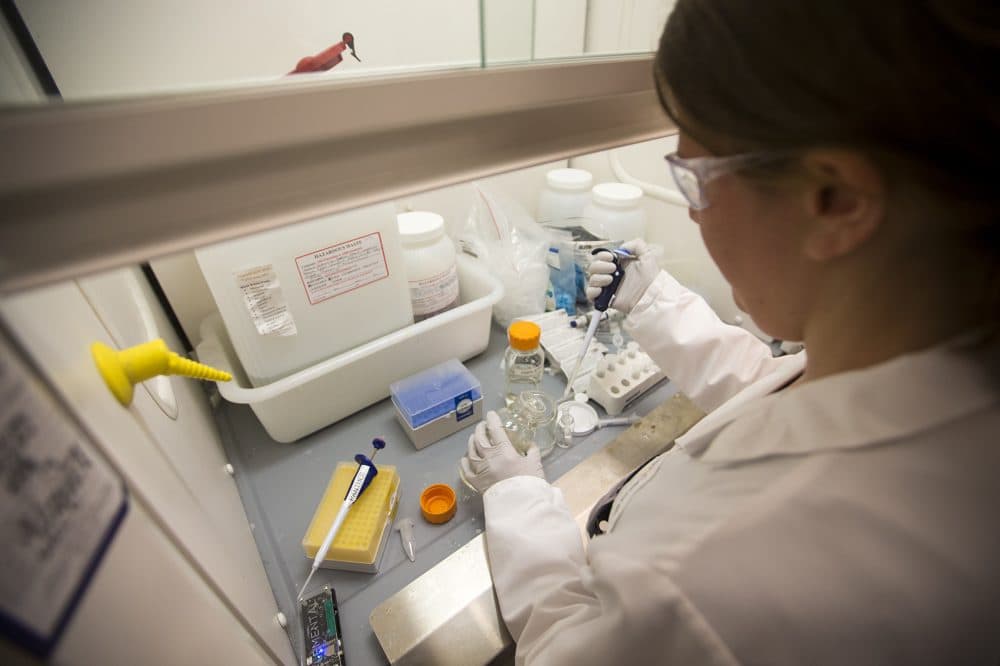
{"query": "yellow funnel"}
(124, 369)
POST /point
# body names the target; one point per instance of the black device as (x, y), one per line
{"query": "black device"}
(324, 644)
(607, 295)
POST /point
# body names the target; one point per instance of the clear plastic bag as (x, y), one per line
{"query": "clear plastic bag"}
(561, 294)
(501, 233)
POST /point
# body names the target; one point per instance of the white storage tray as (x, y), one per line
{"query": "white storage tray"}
(319, 395)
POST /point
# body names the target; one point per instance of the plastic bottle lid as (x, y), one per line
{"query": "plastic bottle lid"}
(524, 335)
(616, 195)
(575, 180)
(418, 226)
(437, 503)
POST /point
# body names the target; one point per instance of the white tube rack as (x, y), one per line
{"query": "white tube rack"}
(621, 378)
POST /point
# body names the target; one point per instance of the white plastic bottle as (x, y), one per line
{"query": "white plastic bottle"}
(615, 212)
(566, 193)
(430, 263)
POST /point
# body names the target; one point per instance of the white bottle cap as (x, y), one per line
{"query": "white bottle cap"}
(573, 180)
(616, 195)
(418, 226)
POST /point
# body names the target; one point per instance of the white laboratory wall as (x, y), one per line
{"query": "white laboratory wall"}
(508, 30)
(625, 26)
(560, 28)
(523, 30)
(104, 48)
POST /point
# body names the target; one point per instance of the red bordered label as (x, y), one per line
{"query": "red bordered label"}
(342, 268)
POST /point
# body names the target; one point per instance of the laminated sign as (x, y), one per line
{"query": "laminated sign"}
(60, 505)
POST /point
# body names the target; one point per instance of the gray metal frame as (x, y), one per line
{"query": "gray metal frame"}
(90, 186)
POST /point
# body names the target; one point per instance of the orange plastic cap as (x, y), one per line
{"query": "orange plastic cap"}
(524, 335)
(437, 503)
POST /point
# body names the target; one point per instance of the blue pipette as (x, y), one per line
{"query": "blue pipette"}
(603, 301)
(362, 479)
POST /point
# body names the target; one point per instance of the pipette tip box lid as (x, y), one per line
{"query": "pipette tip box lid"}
(437, 402)
(361, 540)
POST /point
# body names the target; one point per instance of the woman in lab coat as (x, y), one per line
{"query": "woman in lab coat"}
(837, 506)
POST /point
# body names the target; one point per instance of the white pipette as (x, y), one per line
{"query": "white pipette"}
(366, 472)
(595, 319)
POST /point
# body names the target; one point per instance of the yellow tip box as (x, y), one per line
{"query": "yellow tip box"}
(359, 544)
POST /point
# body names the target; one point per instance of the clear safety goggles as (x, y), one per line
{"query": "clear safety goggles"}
(692, 174)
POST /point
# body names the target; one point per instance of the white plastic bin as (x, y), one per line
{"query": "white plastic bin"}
(319, 395)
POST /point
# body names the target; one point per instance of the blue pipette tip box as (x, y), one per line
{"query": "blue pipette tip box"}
(437, 402)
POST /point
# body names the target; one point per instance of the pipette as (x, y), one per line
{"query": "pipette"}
(601, 304)
(362, 478)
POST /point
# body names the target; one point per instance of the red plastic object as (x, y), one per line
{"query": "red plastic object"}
(328, 58)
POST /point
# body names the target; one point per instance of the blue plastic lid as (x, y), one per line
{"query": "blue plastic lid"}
(434, 392)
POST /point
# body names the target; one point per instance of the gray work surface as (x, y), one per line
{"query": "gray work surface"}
(281, 484)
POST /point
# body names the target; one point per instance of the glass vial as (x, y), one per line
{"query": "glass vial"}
(524, 361)
(531, 419)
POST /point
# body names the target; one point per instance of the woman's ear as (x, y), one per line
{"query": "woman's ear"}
(845, 202)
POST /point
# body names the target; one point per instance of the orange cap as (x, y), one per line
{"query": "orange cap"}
(437, 503)
(523, 335)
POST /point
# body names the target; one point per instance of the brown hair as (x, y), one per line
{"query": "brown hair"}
(913, 84)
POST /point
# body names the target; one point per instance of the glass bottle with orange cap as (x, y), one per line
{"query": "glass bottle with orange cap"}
(524, 360)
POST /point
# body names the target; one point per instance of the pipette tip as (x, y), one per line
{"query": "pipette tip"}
(305, 584)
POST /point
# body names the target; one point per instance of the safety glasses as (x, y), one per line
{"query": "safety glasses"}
(694, 173)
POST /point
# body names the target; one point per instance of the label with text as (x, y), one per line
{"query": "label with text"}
(60, 505)
(434, 294)
(343, 267)
(265, 301)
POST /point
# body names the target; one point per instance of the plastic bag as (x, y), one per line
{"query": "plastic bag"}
(501, 233)
(561, 294)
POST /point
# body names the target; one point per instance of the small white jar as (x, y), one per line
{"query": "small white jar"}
(430, 263)
(615, 212)
(566, 193)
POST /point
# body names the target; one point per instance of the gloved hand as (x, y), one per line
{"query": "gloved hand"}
(639, 274)
(492, 458)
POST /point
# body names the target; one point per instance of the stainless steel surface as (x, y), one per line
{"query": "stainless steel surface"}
(450, 614)
(447, 616)
(151, 177)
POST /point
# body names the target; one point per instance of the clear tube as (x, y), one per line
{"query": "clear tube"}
(565, 430)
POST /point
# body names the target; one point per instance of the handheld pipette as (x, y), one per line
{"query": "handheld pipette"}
(601, 304)
(362, 478)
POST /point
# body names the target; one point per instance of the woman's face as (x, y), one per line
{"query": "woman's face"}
(755, 236)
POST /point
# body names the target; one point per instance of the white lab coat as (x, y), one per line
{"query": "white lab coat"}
(850, 520)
